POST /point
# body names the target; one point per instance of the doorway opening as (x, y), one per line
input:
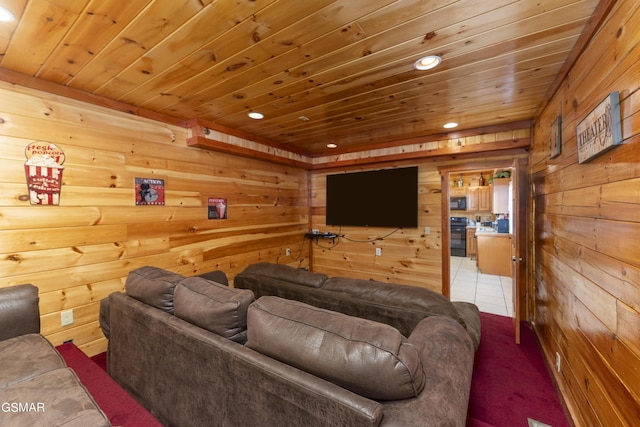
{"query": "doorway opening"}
(474, 218)
(509, 259)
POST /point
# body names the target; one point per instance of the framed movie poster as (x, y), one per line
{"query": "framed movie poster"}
(149, 191)
(217, 208)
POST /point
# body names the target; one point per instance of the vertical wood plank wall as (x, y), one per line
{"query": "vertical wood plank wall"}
(586, 229)
(82, 250)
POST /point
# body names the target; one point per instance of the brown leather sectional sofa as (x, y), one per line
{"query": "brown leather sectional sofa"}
(401, 306)
(36, 386)
(198, 353)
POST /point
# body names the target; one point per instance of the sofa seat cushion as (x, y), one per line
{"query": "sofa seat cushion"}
(25, 357)
(369, 358)
(390, 294)
(153, 286)
(214, 307)
(54, 398)
(286, 273)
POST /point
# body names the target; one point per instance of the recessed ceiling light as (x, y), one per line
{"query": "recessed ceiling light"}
(256, 116)
(450, 125)
(5, 15)
(332, 145)
(427, 63)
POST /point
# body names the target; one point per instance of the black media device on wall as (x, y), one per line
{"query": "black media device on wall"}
(379, 198)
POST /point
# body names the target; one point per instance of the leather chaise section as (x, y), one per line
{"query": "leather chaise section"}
(343, 349)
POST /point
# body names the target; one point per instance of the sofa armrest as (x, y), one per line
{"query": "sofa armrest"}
(447, 359)
(105, 317)
(19, 311)
(471, 315)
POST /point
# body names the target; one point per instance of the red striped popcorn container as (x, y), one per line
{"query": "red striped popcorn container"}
(44, 183)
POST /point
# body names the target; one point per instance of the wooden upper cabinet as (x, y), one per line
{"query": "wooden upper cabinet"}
(479, 199)
(458, 192)
(472, 199)
(500, 195)
(484, 199)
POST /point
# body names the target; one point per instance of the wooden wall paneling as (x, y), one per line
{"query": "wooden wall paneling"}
(63, 299)
(24, 240)
(80, 251)
(613, 381)
(586, 259)
(88, 333)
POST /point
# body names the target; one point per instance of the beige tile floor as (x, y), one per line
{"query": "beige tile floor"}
(492, 294)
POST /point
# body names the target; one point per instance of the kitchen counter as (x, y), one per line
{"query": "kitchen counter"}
(494, 252)
(485, 230)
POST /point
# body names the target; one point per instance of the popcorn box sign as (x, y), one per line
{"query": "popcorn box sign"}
(43, 170)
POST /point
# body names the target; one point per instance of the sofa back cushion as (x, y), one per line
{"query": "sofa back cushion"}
(390, 294)
(371, 359)
(214, 307)
(287, 273)
(19, 311)
(153, 286)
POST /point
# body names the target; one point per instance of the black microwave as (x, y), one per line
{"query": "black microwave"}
(458, 204)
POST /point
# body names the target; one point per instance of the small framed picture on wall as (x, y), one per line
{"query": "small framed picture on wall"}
(555, 138)
(149, 191)
(217, 208)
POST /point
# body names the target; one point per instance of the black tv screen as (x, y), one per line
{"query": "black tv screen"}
(380, 198)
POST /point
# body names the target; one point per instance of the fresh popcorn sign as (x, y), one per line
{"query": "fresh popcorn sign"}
(43, 170)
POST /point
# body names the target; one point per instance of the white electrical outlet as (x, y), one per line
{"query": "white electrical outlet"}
(378, 251)
(557, 361)
(66, 318)
(427, 230)
(288, 251)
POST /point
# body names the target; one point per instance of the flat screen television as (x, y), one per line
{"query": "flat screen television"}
(379, 198)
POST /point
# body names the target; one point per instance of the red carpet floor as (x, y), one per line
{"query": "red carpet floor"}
(511, 382)
(121, 409)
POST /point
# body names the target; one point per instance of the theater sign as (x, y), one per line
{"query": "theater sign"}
(600, 130)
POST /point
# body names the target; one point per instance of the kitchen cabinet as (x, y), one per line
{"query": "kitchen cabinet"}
(472, 199)
(494, 253)
(479, 199)
(484, 199)
(500, 195)
(472, 247)
(458, 192)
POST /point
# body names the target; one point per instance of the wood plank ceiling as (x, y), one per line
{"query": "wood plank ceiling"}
(344, 65)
